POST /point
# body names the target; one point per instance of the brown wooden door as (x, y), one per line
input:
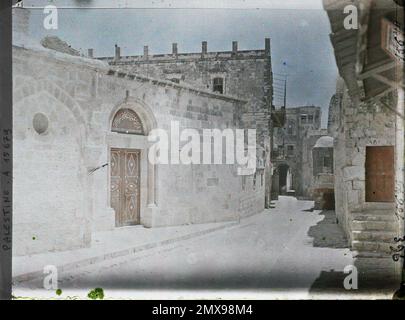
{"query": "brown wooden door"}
(380, 174)
(125, 186)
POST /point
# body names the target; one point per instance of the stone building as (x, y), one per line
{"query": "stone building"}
(292, 151)
(81, 148)
(369, 134)
(322, 188)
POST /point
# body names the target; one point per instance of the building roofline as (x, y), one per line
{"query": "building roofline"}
(103, 68)
(175, 55)
(167, 83)
(183, 57)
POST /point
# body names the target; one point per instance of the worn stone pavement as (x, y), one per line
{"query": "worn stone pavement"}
(288, 252)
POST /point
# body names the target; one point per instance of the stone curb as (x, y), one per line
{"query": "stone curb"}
(120, 253)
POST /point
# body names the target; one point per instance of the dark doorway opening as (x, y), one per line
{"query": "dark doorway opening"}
(283, 171)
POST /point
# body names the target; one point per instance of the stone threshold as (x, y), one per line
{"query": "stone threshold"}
(31, 267)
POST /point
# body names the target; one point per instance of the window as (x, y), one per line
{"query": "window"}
(303, 118)
(327, 161)
(254, 181)
(218, 85)
(310, 118)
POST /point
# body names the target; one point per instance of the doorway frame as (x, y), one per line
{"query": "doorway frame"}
(148, 172)
(138, 213)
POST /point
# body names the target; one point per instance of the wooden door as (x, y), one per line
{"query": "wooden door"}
(380, 174)
(125, 186)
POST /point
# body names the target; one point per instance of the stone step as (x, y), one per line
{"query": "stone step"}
(390, 212)
(369, 258)
(358, 225)
(381, 236)
(378, 206)
(372, 246)
(377, 264)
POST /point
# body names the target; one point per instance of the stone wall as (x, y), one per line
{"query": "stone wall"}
(322, 188)
(58, 204)
(360, 126)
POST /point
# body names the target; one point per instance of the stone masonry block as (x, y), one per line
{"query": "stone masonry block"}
(353, 173)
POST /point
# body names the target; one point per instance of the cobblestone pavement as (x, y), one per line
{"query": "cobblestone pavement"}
(283, 253)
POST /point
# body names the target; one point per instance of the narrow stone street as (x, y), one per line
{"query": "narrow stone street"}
(288, 249)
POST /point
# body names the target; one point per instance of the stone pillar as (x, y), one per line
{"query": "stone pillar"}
(267, 46)
(117, 52)
(151, 216)
(174, 50)
(234, 48)
(204, 47)
(90, 53)
(151, 185)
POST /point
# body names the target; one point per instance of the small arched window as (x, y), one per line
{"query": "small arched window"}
(127, 121)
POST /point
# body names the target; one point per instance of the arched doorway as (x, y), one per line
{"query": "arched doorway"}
(132, 177)
(126, 171)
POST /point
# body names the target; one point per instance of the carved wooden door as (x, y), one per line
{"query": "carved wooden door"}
(380, 174)
(125, 186)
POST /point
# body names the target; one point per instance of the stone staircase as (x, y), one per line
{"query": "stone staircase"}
(374, 229)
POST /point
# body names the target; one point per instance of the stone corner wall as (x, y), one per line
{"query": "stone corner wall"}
(359, 126)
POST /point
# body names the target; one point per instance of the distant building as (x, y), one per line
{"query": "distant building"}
(292, 151)
(323, 179)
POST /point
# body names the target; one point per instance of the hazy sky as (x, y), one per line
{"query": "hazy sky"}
(299, 32)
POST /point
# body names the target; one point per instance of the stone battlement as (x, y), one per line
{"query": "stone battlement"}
(176, 56)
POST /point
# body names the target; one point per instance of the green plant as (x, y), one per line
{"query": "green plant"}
(97, 293)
